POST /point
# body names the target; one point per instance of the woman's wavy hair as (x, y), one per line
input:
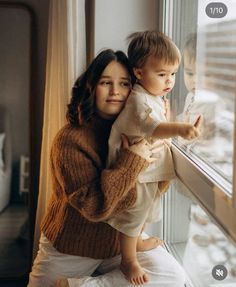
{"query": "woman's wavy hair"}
(82, 105)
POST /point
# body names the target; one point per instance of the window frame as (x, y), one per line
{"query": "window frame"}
(204, 187)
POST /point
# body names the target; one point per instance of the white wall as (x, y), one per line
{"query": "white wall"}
(116, 19)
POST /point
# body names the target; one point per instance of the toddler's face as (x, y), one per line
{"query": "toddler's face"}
(156, 77)
(190, 73)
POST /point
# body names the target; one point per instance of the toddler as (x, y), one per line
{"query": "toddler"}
(155, 60)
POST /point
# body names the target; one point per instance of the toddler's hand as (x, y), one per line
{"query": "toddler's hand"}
(189, 131)
(141, 148)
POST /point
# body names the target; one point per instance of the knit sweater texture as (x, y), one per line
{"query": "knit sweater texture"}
(85, 192)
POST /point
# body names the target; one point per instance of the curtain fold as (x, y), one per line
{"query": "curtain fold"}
(66, 58)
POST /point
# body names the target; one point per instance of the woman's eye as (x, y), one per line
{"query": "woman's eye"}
(125, 84)
(105, 83)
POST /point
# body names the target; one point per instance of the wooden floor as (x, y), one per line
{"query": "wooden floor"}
(14, 246)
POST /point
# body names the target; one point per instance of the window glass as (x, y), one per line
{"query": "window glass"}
(198, 224)
(196, 240)
(207, 85)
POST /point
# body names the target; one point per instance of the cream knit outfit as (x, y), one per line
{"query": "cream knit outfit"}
(142, 113)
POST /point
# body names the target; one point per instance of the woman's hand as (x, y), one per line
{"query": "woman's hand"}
(141, 148)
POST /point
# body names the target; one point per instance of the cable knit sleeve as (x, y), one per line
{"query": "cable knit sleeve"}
(95, 192)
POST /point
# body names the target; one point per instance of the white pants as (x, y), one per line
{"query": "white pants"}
(50, 265)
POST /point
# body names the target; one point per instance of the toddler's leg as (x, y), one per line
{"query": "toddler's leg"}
(129, 263)
(148, 244)
(145, 244)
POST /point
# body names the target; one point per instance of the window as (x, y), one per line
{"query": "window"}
(196, 240)
(206, 86)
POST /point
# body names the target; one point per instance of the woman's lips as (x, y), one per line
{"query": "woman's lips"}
(114, 101)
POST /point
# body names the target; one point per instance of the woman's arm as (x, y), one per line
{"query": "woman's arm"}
(94, 192)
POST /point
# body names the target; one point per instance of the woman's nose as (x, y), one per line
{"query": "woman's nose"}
(114, 90)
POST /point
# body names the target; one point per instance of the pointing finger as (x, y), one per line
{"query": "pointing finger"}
(198, 122)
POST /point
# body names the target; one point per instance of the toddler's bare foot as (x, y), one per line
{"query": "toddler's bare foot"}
(134, 272)
(149, 243)
(62, 283)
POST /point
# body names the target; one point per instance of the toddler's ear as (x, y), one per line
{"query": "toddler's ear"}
(138, 73)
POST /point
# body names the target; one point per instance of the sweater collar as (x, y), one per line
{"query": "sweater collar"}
(99, 124)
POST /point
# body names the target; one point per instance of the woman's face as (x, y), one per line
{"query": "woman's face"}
(112, 90)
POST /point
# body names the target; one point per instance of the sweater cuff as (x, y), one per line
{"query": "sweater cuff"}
(131, 162)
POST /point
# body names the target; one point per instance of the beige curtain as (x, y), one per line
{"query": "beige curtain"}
(66, 58)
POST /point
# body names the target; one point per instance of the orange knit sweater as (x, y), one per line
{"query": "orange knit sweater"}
(85, 193)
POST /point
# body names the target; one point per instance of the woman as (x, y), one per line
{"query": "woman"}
(74, 241)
